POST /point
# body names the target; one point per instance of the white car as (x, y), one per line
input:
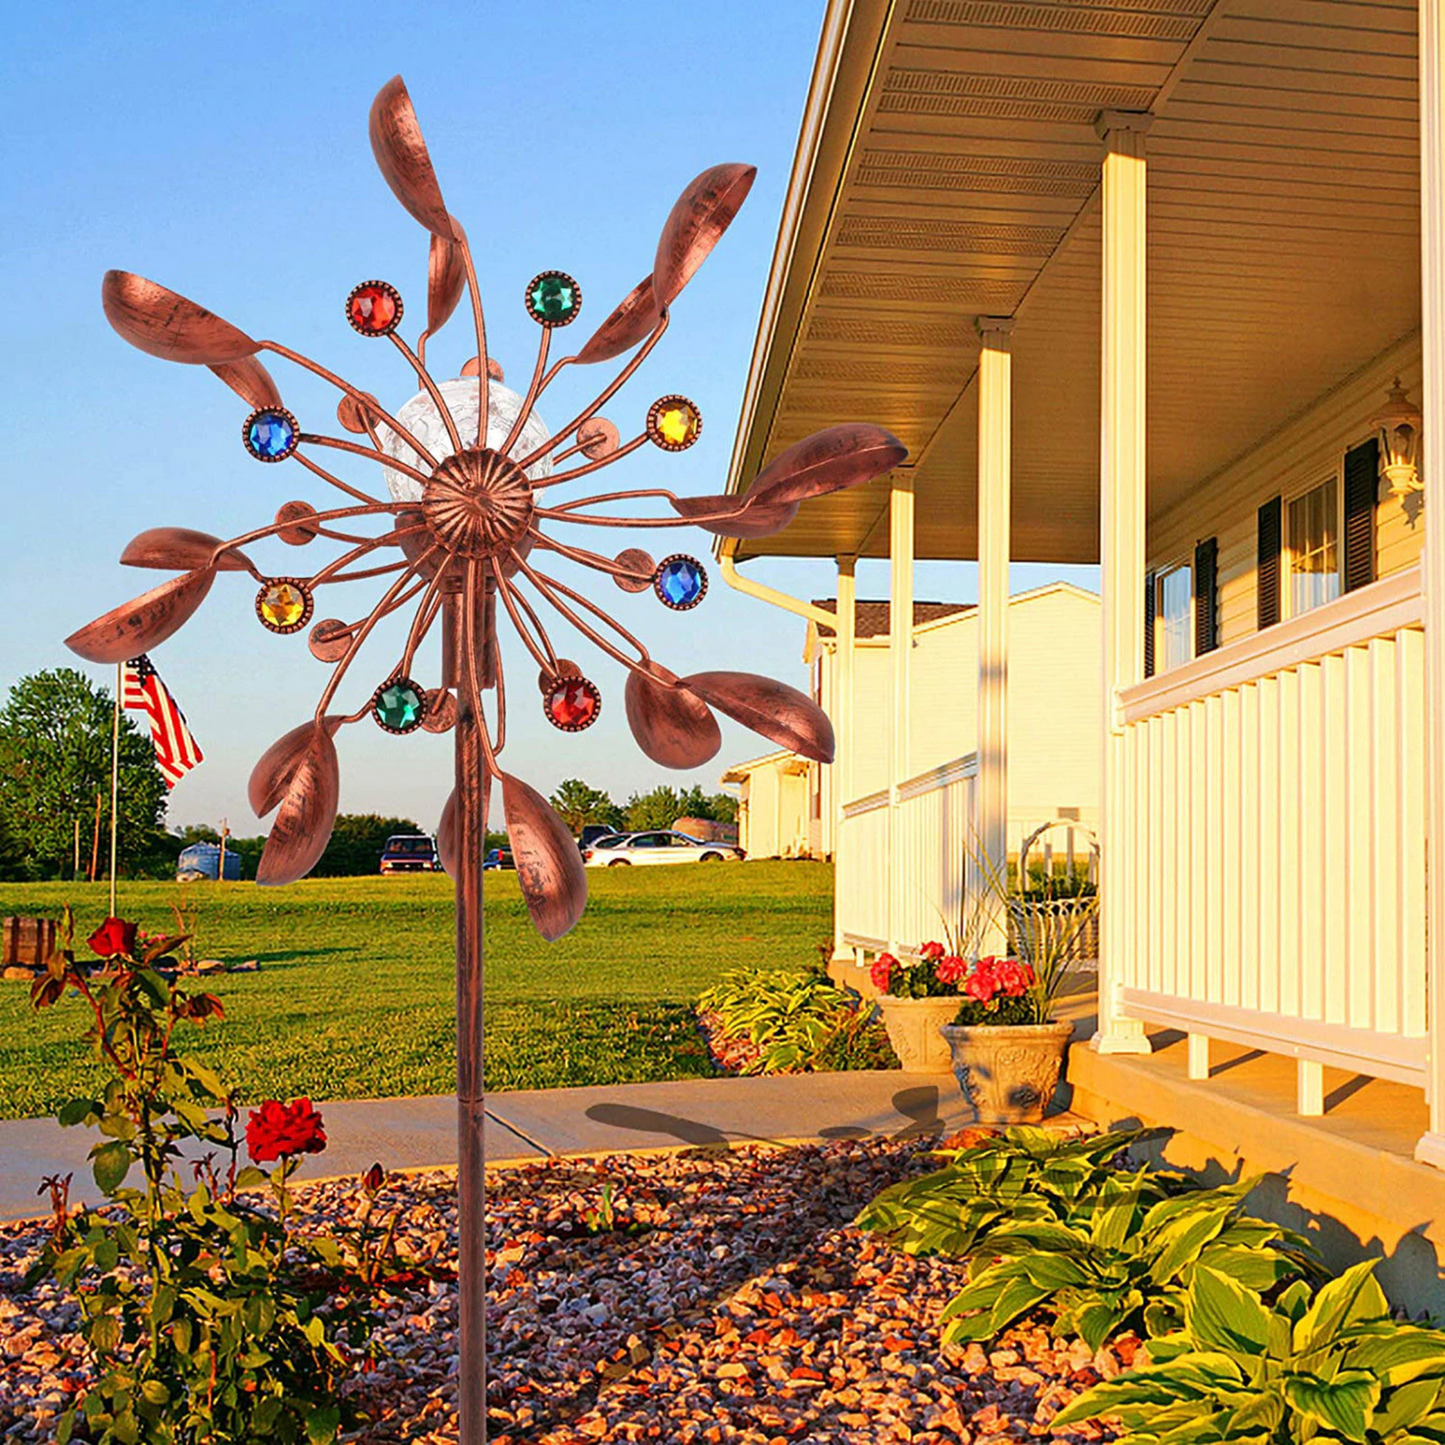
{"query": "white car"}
(662, 847)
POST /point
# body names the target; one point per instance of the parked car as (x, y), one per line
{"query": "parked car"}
(410, 853)
(498, 858)
(592, 832)
(660, 847)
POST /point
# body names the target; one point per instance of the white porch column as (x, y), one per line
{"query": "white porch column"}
(1121, 545)
(841, 780)
(1431, 1148)
(900, 656)
(995, 423)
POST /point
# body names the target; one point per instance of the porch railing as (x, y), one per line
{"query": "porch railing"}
(1274, 843)
(901, 868)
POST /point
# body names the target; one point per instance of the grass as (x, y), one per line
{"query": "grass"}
(354, 998)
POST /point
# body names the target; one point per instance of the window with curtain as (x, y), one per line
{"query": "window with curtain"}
(1173, 617)
(1314, 551)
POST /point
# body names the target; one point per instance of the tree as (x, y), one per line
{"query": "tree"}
(356, 844)
(663, 806)
(55, 731)
(578, 805)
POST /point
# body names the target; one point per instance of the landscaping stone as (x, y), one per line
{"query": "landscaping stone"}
(732, 1302)
(18, 973)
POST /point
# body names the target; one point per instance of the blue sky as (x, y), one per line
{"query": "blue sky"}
(223, 152)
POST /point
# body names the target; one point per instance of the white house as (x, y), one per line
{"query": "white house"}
(1134, 283)
(774, 793)
(1054, 698)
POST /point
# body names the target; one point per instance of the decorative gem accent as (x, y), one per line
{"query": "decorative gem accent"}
(673, 423)
(399, 706)
(553, 299)
(374, 308)
(572, 703)
(270, 434)
(680, 582)
(284, 605)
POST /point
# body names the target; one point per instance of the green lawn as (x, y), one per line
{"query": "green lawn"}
(354, 998)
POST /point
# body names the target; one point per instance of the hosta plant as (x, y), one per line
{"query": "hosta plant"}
(206, 1317)
(1023, 1173)
(795, 1019)
(1331, 1368)
(1125, 1264)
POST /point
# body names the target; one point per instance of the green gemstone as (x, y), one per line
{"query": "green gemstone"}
(399, 705)
(554, 297)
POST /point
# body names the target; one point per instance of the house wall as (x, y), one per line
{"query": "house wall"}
(1300, 455)
(1055, 705)
(772, 818)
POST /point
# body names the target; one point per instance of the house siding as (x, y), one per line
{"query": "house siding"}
(1055, 705)
(1304, 452)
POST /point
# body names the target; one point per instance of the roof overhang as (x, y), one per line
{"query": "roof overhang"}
(948, 167)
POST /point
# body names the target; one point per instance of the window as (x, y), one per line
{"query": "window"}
(1314, 552)
(1173, 616)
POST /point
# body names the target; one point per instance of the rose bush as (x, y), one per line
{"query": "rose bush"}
(206, 1317)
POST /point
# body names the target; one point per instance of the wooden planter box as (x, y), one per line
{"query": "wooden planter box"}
(28, 941)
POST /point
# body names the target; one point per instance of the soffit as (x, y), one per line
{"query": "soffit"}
(1283, 246)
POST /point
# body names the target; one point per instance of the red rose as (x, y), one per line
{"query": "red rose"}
(951, 969)
(882, 971)
(281, 1131)
(115, 938)
(932, 952)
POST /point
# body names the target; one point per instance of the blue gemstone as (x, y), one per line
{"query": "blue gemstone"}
(681, 582)
(270, 435)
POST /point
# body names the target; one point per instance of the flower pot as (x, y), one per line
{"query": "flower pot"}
(1007, 1073)
(914, 1029)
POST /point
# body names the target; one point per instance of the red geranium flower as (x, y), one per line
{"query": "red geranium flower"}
(951, 969)
(115, 938)
(932, 952)
(882, 971)
(281, 1131)
(1014, 978)
(983, 982)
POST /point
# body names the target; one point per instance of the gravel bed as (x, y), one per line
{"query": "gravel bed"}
(731, 1302)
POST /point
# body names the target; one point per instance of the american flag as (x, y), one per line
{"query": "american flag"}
(142, 689)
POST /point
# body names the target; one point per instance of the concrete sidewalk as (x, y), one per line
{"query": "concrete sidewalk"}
(548, 1123)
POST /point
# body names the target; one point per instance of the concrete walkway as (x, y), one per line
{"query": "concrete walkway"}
(547, 1123)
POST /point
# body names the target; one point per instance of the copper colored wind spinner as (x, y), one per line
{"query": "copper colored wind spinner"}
(467, 465)
(468, 516)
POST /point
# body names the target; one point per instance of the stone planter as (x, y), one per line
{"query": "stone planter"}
(1007, 1073)
(914, 1029)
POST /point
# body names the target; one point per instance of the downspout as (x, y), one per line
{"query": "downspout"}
(772, 595)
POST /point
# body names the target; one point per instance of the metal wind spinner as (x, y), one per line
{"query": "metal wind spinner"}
(467, 464)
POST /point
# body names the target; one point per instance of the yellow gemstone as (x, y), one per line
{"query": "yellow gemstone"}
(283, 604)
(678, 422)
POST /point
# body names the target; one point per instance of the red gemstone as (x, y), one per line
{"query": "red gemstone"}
(374, 308)
(572, 703)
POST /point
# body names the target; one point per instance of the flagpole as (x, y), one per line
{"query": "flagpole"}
(114, 780)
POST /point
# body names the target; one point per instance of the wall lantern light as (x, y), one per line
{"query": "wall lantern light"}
(1399, 427)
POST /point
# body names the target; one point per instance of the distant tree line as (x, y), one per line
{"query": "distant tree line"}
(55, 732)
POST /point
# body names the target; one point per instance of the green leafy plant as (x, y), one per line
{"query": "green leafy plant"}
(1123, 1261)
(207, 1317)
(1334, 1368)
(794, 1018)
(1024, 1173)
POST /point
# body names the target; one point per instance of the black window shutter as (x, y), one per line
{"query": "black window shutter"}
(1362, 482)
(1271, 517)
(1206, 596)
(1148, 624)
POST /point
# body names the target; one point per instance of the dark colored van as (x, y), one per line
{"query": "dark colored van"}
(409, 853)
